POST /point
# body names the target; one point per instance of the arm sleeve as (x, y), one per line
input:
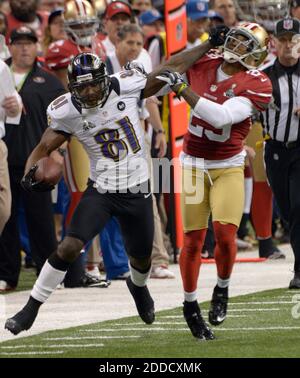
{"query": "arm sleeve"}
(232, 111)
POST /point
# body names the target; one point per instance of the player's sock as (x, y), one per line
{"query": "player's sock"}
(223, 283)
(139, 277)
(190, 260)
(226, 248)
(51, 275)
(190, 297)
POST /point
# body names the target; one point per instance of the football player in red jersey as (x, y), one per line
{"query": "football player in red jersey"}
(224, 93)
(81, 24)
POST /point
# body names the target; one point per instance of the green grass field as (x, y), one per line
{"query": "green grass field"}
(258, 325)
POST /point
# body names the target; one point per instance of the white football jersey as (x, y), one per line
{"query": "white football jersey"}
(111, 135)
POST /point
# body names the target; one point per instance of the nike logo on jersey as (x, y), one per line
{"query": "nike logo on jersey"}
(147, 195)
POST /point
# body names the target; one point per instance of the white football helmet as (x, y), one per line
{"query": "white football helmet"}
(81, 22)
(247, 44)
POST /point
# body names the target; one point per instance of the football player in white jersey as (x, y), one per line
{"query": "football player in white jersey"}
(101, 111)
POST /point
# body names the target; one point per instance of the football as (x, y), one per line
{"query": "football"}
(48, 171)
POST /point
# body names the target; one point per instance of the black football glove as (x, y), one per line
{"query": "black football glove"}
(135, 66)
(218, 34)
(30, 184)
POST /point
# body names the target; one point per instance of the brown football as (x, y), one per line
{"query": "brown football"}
(48, 171)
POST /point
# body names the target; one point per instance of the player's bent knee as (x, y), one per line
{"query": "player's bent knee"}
(140, 262)
(69, 249)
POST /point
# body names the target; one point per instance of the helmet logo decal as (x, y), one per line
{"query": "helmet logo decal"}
(82, 78)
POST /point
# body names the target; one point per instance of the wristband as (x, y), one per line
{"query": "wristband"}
(182, 87)
(160, 131)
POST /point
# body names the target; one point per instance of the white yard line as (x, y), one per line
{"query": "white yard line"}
(29, 353)
(52, 346)
(261, 303)
(89, 337)
(228, 311)
(152, 329)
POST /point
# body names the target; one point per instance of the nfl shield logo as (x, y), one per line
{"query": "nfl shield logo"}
(288, 24)
(179, 31)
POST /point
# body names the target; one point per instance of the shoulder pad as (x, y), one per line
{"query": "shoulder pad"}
(61, 107)
(130, 81)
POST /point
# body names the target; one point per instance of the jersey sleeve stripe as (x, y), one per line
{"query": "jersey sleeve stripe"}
(259, 94)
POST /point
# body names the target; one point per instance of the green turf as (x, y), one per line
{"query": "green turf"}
(175, 340)
(26, 280)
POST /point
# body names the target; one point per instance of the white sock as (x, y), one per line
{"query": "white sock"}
(190, 297)
(138, 278)
(223, 283)
(47, 282)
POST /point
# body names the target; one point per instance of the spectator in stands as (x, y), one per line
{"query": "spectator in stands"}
(227, 9)
(25, 12)
(295, 9)
(140, 6)
(55, 28)
(215, 18)
(198, 22)
(50, 5)
(151, 22)
(117, 14)
(37, 89)
(4, 6)
(3, 23)
(10, 106)
(4, 53)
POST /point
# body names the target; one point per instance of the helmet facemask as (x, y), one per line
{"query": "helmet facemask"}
(99, 88)
(241, 46)
(81, 22)
(82, 31)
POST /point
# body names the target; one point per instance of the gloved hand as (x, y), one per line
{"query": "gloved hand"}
(175, 81)
(218, 34)
(134, 65)
(29, 183)
(172, 78)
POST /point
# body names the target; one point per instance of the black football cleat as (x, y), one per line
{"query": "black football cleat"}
(24, 319)
(295, 282)
(143, 301)
(218, 306)
(197, 325)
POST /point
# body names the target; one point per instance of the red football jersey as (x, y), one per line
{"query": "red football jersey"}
(61, 52)
(202, 139)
